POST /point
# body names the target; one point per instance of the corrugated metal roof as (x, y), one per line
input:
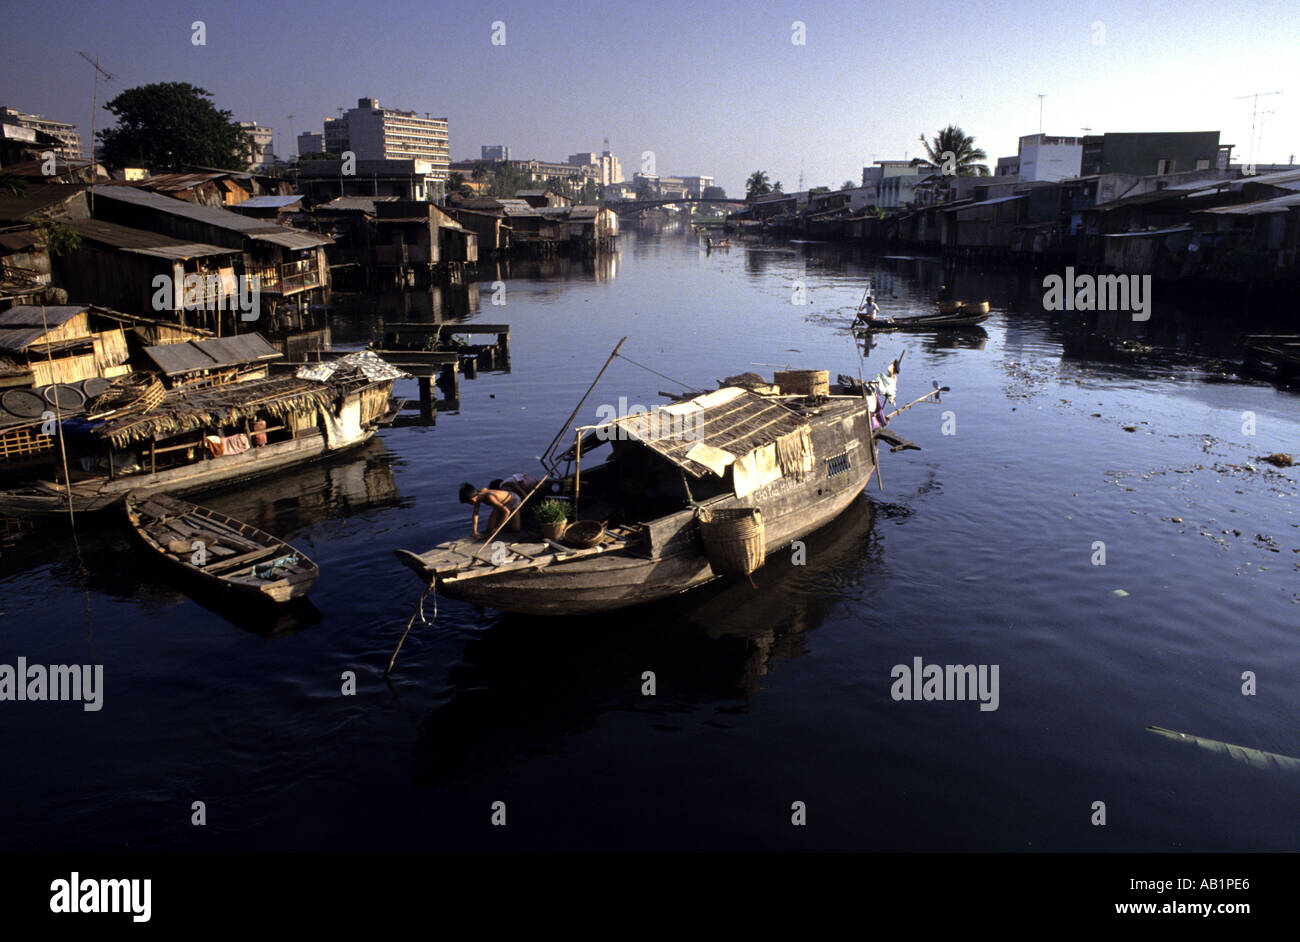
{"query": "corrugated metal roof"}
(140, 242)
(36, 199)
(171, 182)
(17, 241)
(1148, 233)
(978, 203)
(365, 204)
(268, 202)
(291, 238)
(1278, 204)
(175, 359)
(33, 315)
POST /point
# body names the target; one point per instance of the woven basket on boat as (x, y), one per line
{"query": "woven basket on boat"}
(734, 540)
(583, 534)
(137, 392)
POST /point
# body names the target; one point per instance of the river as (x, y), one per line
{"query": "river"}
(1048, 456)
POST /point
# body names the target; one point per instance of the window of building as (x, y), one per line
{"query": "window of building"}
(1165, 165)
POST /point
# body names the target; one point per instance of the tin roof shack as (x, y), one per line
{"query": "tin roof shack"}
(64, 344)
(348, 221)
(119, 266)
(289, 265)
(407, 240)
(985, 227)
(585, 228)
(531, 231)
(213, 361)
(491, 234)
(26, 272)
(1253, 241)
(539, 199)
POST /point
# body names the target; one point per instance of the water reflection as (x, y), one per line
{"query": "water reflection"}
(524, 682)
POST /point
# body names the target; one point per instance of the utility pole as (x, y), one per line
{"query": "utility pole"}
(94, 106)
(1254, 113)
(1041, 96)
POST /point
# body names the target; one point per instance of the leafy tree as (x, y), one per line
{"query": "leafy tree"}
(480, 171)
(172, 124)
(848, 185)
(507, 181)
(819, 189)
(58, 237)
(645, 190)
(757, 185)
(456, 185)
(317, 155)
(776, 187)
(966, 157)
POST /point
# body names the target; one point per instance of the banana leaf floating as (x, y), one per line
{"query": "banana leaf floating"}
(1255, 757)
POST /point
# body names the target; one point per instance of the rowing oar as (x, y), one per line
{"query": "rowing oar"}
(933, 392)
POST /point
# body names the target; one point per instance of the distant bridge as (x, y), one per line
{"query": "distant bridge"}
(632, 207)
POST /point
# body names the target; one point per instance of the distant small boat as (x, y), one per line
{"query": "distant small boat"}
(923, 322)
(963, 307)
(225, 554)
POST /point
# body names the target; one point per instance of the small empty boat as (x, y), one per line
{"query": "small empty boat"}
(923, 322)
(225, 554)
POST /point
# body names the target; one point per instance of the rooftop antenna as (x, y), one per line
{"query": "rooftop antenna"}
(292, 140)
(94, 106)
(1041, 96)
(1254, 113)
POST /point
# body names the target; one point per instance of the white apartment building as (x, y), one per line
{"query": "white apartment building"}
(1043, 158)
(65, 132)
(375, 133)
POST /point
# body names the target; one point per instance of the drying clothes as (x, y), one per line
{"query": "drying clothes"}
(234, 444)
(794, 453)
(259, 432)
(755, 469)
(271, 570)
(216, 447)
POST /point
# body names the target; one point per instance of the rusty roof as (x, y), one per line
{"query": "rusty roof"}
(142, 242)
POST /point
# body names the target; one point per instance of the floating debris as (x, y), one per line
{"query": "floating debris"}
(1278, 459)
(1255, 757)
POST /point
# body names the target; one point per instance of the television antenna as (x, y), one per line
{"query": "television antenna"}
(94, 107)
(1254, 114)
(1041, 96)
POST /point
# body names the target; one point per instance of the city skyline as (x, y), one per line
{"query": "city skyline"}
(698, 100)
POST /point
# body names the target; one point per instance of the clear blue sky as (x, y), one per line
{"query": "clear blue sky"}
(712, 86)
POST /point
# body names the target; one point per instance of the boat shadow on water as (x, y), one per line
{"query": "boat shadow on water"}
(527, 682)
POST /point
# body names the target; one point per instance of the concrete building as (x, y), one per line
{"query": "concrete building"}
(1043, 158)
(67, 134)
(895, 180)
(494, 152)
(323, 180)
(311, 143)
(374, 133)
(263, 152)
(1153, 153)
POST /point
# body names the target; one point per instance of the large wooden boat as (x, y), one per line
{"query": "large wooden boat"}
(222, 553)
(198, 438)
(798, 461)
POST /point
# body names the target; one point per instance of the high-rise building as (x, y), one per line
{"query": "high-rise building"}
(263, 152)
(374, 133)
(311, 143)
(494, 152)
(66, 133)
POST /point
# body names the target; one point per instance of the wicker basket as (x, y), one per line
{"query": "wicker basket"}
(734, 540)
(803, 382)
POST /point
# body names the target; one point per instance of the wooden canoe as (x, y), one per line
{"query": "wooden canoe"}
(925, 322)
(225, 554)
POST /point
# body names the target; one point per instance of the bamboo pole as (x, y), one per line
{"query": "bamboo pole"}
(560, 434)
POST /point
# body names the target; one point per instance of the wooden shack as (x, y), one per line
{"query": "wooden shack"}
(63, 344)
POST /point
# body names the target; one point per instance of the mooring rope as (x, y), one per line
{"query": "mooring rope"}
(661, 375)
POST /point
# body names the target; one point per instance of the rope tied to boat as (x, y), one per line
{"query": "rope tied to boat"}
(418, 613)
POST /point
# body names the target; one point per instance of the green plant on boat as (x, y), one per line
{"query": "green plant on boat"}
(551, 511)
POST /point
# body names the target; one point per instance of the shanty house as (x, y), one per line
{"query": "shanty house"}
(63, 344)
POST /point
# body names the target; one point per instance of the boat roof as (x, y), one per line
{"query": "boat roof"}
(704, 434)
(176, 359)
(210, 407)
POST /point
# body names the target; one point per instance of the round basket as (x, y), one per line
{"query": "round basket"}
(734, 540)
(583, 534)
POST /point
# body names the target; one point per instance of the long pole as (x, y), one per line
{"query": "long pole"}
(563, 428)
(94, 107)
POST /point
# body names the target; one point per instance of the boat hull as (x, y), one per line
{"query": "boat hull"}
(47, 498)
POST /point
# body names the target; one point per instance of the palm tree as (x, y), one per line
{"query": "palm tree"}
(456, 184)
(757, 185)
(480, 171)
(966, 156)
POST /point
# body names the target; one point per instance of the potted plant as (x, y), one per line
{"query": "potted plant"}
(551, 517)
